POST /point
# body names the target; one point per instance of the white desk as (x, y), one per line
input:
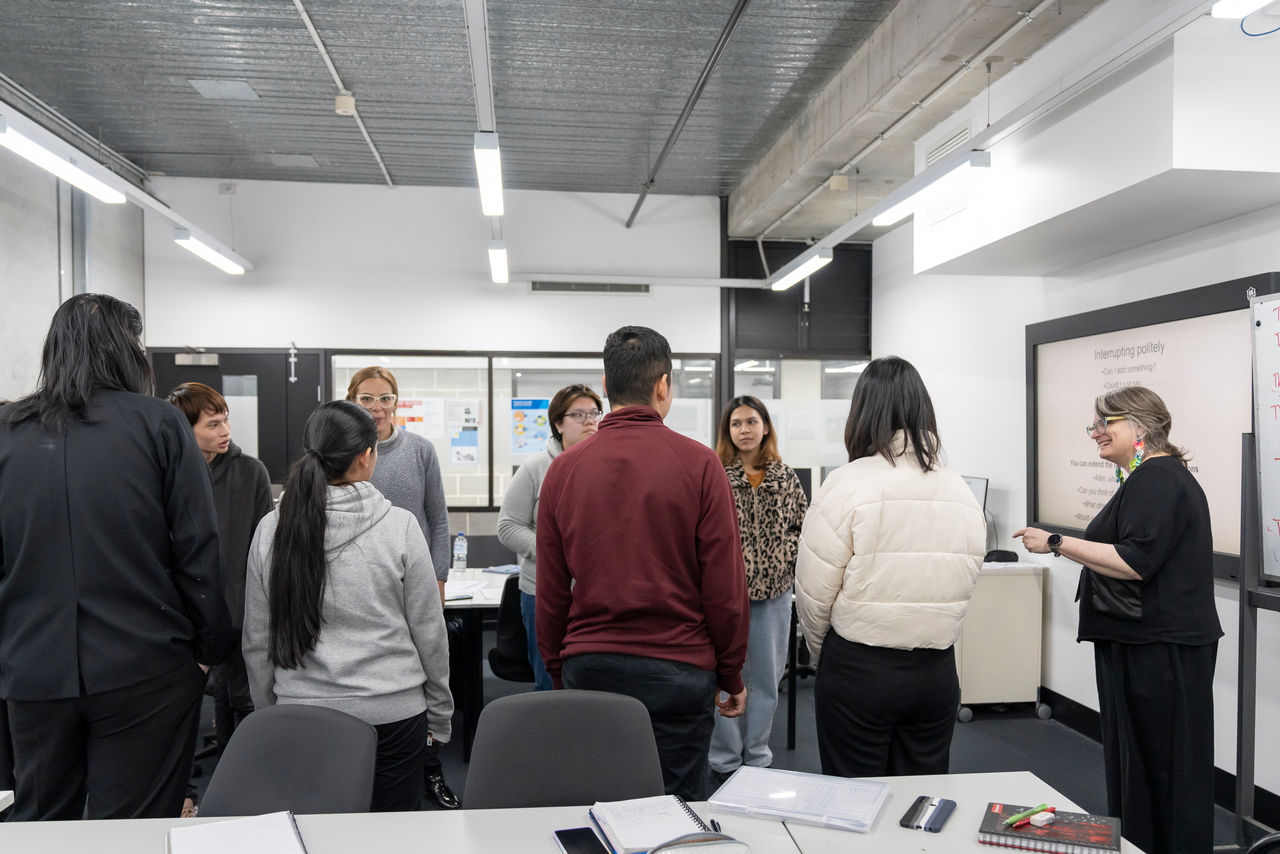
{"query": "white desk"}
(469, 683)
(529, 830)
(6, 800)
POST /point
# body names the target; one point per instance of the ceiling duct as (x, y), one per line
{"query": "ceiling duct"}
(542, 287)
(947, 146)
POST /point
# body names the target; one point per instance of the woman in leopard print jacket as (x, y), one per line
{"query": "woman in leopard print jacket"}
(771, 505)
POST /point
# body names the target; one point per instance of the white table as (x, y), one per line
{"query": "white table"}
(470, 682)
(6, 800)
(529, 830)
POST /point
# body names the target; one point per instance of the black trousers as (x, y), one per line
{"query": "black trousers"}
(119, 754)
(229, 684)
(680, 699)
(397, 775)
(1156, 702)
(884, 712)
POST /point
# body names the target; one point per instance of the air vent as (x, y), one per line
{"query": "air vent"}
(587, 288)
(947, 146)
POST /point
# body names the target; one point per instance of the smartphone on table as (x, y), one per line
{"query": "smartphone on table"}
(579, 840)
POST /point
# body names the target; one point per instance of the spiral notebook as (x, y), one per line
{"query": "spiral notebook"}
(273, 833)
(636, 825)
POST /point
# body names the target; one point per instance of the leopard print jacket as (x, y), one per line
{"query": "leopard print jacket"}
(769, 518)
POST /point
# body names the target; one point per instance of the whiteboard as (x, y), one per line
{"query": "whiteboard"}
(1197, 365)
(1266, 424)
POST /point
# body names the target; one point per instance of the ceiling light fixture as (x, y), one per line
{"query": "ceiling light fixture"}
(61, 166)
(489, 173)
(182, 237)
(787, 278)
(906, 207)
(498, 262)
(1236, 8)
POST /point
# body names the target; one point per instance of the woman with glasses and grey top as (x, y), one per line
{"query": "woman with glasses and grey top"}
(1146, 603)
(574, 413)
(408, 474)
(341, 606)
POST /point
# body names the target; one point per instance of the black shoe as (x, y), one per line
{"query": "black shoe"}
(438, 790)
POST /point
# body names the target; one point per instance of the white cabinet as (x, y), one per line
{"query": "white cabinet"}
(998, 654)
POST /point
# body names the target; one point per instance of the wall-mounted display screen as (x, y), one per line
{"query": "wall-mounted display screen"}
(1193, 349)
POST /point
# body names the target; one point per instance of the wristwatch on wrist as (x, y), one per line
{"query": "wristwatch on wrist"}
(1054, 543)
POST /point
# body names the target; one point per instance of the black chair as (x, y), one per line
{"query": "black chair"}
(562, 748)
(510, 658)
(1266, 845)
(307, 759)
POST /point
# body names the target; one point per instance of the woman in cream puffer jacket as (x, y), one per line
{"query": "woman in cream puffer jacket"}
(889, 555)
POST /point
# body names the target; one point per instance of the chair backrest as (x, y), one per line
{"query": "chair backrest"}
(509, 659)
(562, 748)
(307, 759)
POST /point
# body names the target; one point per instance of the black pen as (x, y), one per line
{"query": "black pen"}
(715, 825)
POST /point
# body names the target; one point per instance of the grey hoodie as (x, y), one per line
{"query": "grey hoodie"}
(519, 514)
(383, 653)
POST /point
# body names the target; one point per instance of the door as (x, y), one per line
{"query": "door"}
(270, 394)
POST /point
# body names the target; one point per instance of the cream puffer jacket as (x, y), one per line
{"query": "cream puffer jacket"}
(889, 555)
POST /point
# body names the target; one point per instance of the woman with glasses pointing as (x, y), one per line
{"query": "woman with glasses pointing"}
(574, 414)
(1146, 603)
(408, 474)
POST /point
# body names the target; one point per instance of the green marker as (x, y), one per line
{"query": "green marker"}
(1020, 816)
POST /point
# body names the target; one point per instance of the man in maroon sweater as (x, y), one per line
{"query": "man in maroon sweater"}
(640, 521)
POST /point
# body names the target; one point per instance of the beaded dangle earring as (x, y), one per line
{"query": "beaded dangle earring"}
(1138, 447)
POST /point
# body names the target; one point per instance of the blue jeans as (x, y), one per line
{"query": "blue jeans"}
(541, 678)
(744, 740)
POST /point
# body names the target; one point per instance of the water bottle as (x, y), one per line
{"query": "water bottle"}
(460, 551)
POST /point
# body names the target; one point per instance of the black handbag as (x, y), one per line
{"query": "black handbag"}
(1113, 597)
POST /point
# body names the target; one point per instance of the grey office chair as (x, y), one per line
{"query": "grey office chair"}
(307, 759)
(562, 748)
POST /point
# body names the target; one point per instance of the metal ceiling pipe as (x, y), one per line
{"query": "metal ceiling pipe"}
(712, 61)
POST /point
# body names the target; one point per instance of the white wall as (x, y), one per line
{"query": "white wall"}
(36, 260)
(345, 266)
(967, 337)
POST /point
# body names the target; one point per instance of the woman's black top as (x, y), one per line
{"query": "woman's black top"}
(109, 566)
(1158, 521)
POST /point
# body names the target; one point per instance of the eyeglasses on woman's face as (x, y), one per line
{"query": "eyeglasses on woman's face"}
(368, 401)
(584, 416)
(1100, 426)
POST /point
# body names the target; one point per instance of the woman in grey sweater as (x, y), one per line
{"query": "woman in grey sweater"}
(341, 605)
(574, 413)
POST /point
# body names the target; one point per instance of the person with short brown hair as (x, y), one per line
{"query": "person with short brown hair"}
(241, 497)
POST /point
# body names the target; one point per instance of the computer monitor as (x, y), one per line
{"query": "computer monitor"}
(979, 487)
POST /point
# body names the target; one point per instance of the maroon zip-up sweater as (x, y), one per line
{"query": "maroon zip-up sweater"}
(640, 521)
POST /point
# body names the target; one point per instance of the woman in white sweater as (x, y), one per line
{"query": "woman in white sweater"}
(889, 554)
(341, 605)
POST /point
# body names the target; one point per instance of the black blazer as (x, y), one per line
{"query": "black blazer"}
(109, 566)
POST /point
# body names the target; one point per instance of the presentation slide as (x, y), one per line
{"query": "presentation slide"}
(1200, 366)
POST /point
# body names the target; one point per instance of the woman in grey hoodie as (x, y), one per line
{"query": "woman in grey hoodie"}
(341, 605)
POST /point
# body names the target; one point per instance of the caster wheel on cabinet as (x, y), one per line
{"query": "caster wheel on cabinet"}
(1043, 711)
(964, 715)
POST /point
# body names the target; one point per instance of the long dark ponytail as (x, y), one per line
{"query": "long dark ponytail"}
(336, 433)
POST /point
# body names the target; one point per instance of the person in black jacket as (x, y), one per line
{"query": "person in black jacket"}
(241, 497)
(111, 605)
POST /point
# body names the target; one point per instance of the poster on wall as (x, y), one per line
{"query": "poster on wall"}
(464, 446)
(462, 413)
(530, 428)
(424, 416)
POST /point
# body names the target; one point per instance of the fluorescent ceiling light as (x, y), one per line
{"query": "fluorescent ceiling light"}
(54, 164)
(489, 173)
(747, 365)
(224, 90)
(855, 368)
(906, 207)
(183, 238)
(498, 261)
(1236, 8)
(816, 261)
